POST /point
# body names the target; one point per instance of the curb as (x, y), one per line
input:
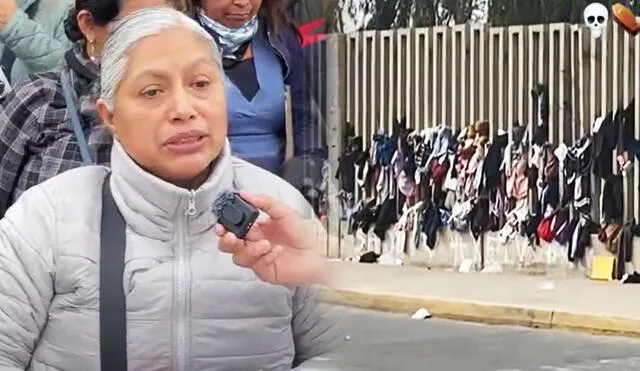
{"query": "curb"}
(493, 314)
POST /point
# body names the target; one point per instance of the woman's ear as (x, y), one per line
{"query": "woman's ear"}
(86, 25)
(106, 116)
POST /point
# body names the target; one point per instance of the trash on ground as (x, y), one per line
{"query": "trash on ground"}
(465, 266)
(547, 286)
(492, 269)
(421, 313)
(389, 260)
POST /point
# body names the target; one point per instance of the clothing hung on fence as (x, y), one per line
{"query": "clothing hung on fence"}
(612, 192)
(518, 184)
(624, 253)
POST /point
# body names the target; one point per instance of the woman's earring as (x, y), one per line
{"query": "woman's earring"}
(91, 52)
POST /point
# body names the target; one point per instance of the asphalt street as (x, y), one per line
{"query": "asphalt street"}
(389, 342)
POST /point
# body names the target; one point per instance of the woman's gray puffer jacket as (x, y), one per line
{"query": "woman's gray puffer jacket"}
(189, 308)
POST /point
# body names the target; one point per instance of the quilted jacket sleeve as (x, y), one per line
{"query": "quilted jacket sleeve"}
(26, 276)
(39, 45)
(317, 327)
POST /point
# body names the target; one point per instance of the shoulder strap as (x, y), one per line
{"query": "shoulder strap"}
(6, 61)
(113, 310)
(74, 120)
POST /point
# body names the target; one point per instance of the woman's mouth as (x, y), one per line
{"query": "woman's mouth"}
(186, 143)
(238, 17)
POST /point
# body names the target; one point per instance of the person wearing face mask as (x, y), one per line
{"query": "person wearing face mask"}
(262, 54)
(126, 268)
(37, 139)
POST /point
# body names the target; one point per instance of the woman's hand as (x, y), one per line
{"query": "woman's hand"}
(281, 247)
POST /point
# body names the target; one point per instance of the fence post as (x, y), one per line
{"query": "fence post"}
(333, 125)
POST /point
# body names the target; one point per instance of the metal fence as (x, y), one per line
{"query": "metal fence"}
(457, 75)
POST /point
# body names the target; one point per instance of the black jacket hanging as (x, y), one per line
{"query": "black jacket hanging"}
(626, 131)
(346, 171)
(493, 160)
(577, 176)
(479, 217)
(625, 248)
(365, 217)
(612, 200)
(385, 217)
(605, 139)
(431, 223)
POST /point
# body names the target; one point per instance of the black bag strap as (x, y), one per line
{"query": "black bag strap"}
(8, 58)
(113, 310)
(74, 120)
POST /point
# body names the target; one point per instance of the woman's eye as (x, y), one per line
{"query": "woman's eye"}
(201, 84)
(151, 92)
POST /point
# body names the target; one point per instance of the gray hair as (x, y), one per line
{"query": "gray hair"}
(127, 32)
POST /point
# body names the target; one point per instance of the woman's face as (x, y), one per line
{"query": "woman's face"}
(169, 109)
(231, 13)
(95, 35)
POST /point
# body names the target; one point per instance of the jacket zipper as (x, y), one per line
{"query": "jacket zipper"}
(182, 288)
(286, 63)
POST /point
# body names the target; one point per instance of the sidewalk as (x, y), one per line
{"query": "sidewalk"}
(569, 303)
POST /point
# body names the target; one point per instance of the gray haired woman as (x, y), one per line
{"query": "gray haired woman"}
(127, 268)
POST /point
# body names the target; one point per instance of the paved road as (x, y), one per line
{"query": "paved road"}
(384, 342)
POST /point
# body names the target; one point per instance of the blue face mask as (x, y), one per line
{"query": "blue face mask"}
(230, 39)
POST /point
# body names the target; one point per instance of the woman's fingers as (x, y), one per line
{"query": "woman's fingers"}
(258, 255)
(220, 231)
(270, 206)
(251, 252)
(229, 243)
(265, 267)
(270, 257)
(255, 232)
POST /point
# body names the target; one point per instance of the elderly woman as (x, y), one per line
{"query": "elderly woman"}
(262, 53)
(37, 139)
(184, 294)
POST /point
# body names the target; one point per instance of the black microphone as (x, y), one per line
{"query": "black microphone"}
(234, 214)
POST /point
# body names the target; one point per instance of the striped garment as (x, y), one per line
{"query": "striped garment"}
(36, 139)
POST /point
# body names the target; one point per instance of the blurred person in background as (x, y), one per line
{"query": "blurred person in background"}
(262, 53)
(314, 18)
(140, 239)
(32, 39)
(37, 139)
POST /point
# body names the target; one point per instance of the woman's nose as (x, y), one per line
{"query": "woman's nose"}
(183, 108)
(241, 3)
